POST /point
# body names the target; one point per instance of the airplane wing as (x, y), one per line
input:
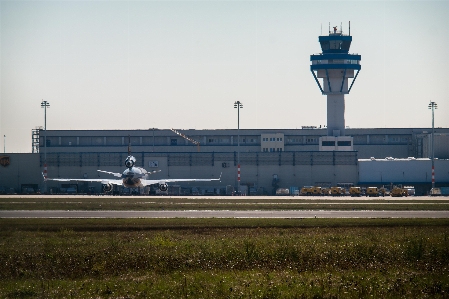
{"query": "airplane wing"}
(163, 181)
(103, 181)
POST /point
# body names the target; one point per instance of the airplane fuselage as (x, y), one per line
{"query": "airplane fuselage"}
(132, 177)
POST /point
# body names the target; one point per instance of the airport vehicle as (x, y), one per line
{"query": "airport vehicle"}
(325, 191)
(132, 177)
(316, 190)
(398, 191)
(355, 191)
(306, 190)
(442, 191)
(337, 191)
(282, 191)
(410, 190)
(372, 191)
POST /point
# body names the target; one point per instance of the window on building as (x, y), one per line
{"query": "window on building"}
(328, 143)
(344, 143)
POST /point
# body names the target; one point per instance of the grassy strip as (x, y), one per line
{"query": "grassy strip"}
(241, 203)
(224, 258)
(9, 225)
(401, 283)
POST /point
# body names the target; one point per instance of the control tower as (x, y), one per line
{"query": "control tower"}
(335, 66)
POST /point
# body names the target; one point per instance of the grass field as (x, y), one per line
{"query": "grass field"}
(224, 258)
(219, 203)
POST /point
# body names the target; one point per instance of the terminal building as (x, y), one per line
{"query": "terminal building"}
(268, 158)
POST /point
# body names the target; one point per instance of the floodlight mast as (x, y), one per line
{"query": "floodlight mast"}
(433, 106)
(45, 104)
(238, 105)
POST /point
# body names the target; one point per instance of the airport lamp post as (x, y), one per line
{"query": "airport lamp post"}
(45, 104)
(238, 105)
(433, 106)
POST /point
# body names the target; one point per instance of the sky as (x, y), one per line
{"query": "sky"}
(183, 64)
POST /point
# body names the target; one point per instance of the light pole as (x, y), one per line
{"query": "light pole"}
(238, 105)
(45, 104)
(433, 106)
(4, 144)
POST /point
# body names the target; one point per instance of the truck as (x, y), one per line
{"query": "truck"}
(337, 191)
(383, 191)
(325, 191)
(316, 191)
(372, 191)
(306, 190)
(398, 191)
(355, 191)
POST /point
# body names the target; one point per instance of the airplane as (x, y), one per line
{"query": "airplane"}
(132, 177)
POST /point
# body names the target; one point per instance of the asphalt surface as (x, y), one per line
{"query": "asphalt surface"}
(274, 198)
(225, 214)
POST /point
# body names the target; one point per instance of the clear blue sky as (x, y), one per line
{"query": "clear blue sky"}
(182, 64)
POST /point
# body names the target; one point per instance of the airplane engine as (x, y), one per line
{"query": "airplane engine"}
(163, 187)
(107, 187)
(129, 163)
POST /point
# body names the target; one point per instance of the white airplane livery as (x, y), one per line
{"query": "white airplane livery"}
(132, 177)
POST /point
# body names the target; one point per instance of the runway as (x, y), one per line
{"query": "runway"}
(224, 214)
